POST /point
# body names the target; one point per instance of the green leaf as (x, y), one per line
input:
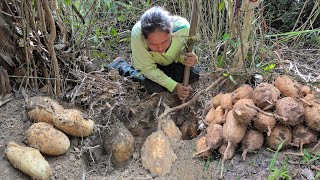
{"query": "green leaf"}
(67, 2)
(121, 18)
(221, 6)
(113, 32)
(226, 37)
(232, 79)
(219, 61)
(270, 67)
(207, 164)
(225, 74)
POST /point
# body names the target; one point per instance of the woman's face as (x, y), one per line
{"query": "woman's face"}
(159, 41)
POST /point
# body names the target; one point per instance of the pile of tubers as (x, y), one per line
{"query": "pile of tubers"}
(48, 136)
(270, 114)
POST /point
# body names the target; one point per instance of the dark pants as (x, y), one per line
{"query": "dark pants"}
(176, 72)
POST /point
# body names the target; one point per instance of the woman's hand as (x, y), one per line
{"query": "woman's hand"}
(182, 91)
(190, 59)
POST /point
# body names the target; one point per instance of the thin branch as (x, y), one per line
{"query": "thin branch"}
(268, 114)
(194, 98)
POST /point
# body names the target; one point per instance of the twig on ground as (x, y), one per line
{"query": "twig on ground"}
(6, 99)
(315, 147)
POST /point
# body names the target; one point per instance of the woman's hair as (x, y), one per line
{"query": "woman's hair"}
(155, 18)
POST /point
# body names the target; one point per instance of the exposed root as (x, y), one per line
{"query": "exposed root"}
(268, 114)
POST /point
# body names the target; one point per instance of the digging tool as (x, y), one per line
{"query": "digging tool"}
(190, 43)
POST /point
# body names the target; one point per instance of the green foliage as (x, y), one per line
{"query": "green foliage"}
(308, 157)
(279, 173)
(207, 163)
(274, 159)
(269, 67)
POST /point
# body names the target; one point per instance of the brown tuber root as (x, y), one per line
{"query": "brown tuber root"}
(216, 100)
(233, 133)
(252, 141)
(291, 110)
(72, 123)
(121, 146)
(227, 155)
(264, 123)
(242, 113)
(312, 114)
(304, 90)
(303, 135)
(279, 134)
(265, 95)
(173, 133)
(286, 86)
(156, 154)
(226, 102)
(210, 116)
(214, 138)
(42, 109)
(47, 139)
(215, 116)
(201, 145)
(243, 92)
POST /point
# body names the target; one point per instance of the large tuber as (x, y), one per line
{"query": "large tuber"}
(264, 123)
(29, 160)
(279, 134)
(265, 95)
(42, 109)
(47, 139)
(243, 92)
(214, 138)
(242, 113)
(252, 141)
(286, 86)
(157, 155)
(291, 110)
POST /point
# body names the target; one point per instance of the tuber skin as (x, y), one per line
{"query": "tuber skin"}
(42, 109)
(230, 153)
(47, 139)
(72, 123)
(214, 138)
(210, 116)
(29, 160)
(233, 131)
(242, 113)
(286, 86)
(278, 135)
(304, 90)
(264, 123)
(265, 95)
(252, 141)
(303, 135)
(226, 102)
(243, 92)
(157, 155)
(216, 116)
(312, 114)
(216, 100)
(201, 145)
(291, 110)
